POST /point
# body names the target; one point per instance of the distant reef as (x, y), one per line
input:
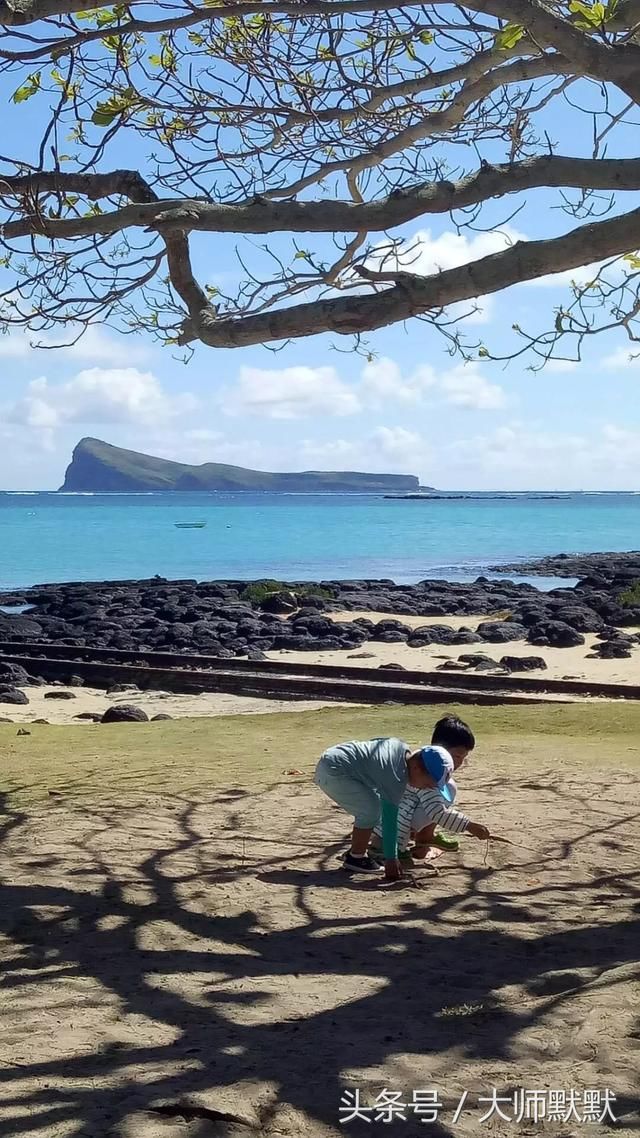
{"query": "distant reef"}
(98, 466)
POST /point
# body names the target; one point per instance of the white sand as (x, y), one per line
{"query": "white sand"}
(154, 703)
(562, 663)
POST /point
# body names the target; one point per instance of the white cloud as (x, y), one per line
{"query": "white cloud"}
(525, 457)
(393, 449)
(462, 386)
(98, 396)
(465, 387)
(426, 254)
(306, 392)
(95, 346)
(396, 442)
(622, 359)
(290, 393)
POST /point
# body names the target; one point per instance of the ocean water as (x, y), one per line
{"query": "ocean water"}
(46, 537)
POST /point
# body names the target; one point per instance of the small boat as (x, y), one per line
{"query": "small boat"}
(189, 525)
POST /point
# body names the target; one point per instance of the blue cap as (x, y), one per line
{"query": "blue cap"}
(438, 764)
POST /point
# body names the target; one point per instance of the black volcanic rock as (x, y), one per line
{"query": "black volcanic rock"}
(556, 634)
(501, 631)
(125, 713)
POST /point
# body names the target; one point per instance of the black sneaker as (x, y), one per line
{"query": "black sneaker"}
(360, 864)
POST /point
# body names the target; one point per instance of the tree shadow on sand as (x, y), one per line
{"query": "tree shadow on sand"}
(143, 927)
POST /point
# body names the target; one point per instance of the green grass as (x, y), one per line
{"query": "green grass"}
(256, 750)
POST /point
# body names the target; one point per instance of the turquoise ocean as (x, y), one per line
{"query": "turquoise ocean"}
(50, 537)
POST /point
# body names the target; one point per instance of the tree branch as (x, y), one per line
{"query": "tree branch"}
(611, 63)
(353, 315)
(263, 216)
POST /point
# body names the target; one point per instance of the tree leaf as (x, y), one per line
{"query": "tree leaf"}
(31, 87)
(509, 36)
(593, 15)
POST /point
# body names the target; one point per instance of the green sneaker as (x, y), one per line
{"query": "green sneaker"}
(443, 842)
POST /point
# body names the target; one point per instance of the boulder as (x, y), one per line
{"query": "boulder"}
(611, 650)
(162, 715)
(13, 674)
(476, 658)
(501, 631)
(90, 716)
(556, 634)
(125, 713)
(523, 664)
(59, 695)
(13, 695)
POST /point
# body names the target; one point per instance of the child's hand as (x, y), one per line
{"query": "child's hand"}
(392, 870)
(478, 831)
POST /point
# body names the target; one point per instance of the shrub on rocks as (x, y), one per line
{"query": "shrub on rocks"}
(282, 602)
(125, 713)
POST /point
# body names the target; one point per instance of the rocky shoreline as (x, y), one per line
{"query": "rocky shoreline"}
(240, 618)
(608, 566)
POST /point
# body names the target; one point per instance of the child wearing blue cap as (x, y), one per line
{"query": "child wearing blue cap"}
(421, 810)
(369, 780)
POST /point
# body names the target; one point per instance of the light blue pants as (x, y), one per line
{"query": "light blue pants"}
(361, 801)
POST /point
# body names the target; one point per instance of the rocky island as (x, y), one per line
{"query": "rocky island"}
(97, 466)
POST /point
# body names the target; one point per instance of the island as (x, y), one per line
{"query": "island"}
(100, 467)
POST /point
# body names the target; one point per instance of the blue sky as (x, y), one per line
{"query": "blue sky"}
(413, 409)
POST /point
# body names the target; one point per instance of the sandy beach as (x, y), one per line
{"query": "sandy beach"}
(562, 663)
(86, 700)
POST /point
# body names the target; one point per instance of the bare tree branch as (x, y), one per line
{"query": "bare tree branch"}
(264, 216)
(414, 295)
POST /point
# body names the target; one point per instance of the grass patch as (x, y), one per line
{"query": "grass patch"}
(630, 598)
(258, 590)
(255, 750)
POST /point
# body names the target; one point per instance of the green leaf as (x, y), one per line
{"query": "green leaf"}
(509, 36)
(593, 15)
(155, 61)
(483, 352)
(632, 259)
(426, 37)
(302, 255)
(115, 105)
(31, 87)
